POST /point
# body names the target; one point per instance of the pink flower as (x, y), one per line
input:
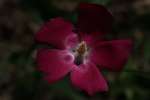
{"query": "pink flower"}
(82, 55)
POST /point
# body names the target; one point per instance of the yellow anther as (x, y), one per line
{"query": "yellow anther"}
(81, 50)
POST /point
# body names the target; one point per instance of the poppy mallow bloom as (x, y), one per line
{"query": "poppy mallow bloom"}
(80, 54)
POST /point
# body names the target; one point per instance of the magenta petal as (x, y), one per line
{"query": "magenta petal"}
(55, 32)
(88, 78)
(90, 39)
(54, 64)
(111, 55)
(72, 41)
(94, 18)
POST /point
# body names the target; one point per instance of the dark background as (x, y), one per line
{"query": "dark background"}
(21, 19)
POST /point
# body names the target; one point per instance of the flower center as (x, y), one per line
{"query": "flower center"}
(80, 53)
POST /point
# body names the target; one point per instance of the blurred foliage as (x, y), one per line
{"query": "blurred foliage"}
(21, 19)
